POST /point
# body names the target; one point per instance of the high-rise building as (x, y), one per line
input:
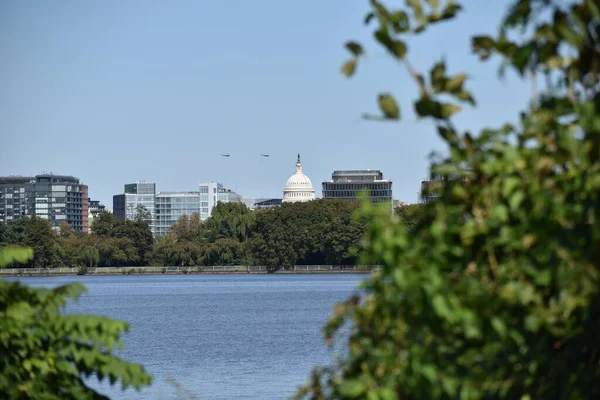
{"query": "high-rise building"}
(125, 206)
(213, 192)
(56, 198)
(94, 209)
(298, 187)
(348, 184)
(172, 205)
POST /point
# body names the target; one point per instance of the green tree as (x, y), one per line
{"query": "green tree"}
(186, 228)
(104, 224)
(497, 296)
(228, 220)
(142, 214)
(48, 355)
(316, 232)
(38, 234)
(139, 233)
(65, 229)
(412, 216)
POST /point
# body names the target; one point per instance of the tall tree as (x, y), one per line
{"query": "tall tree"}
(186, 227)
(228, 220)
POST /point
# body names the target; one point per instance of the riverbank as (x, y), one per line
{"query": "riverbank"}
(173, 270)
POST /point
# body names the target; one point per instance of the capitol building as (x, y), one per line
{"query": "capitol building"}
(298, 186)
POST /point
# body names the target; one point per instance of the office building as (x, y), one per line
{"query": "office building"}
(298, 187)
(172, 205)
(164, 208)
(125, 206)
(213, 192)
(262, 203)
(347, 185)
(56, 198)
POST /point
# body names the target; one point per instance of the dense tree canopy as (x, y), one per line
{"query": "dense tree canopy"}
(318, 232)
(497, 296)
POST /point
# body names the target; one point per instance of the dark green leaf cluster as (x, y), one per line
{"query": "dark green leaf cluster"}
(47, 355)
(316, 232)
(494, 291)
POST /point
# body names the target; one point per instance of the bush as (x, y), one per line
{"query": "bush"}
(47, 355)
(495, 292)
(82, 270)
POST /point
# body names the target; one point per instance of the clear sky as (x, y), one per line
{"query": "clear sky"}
(118, 91)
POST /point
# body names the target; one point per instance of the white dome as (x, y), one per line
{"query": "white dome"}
(298, 187)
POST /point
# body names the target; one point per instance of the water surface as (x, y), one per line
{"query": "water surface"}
(220, 336)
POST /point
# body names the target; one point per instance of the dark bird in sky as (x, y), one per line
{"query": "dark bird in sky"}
(264, 154)
(225, 154)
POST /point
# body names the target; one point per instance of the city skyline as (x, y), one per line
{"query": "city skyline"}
(160, 97)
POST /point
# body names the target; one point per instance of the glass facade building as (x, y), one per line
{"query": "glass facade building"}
(348, 184)
(140, 193)
(171, 206)
(213, 192)
(165, 208)
(56, 198)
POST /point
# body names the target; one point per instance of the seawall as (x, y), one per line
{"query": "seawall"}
(235, 269)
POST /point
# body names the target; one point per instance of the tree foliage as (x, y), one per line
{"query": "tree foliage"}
(228, 221)
(498, 295)
(47, 355)
(316, 232)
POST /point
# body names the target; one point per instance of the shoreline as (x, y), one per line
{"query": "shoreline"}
(222, 270)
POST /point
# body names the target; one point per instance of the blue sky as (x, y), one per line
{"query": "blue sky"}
(119, 91)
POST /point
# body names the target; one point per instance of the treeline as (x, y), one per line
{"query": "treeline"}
(317, 232)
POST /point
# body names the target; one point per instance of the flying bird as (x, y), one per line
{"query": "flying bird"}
(225, 154)
(264, 155)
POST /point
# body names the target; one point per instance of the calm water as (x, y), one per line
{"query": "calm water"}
(220, 336)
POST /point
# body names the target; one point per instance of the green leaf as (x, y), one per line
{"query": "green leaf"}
(499, 326)
(455, 83)
(482, 45)
(434, 4)
(416, 7)
(430, 372)
(437, 75)
(465, 96)
(450, 11)
(396, 47)
(440, 306)
(351, 388)
(12, 254)
(368, 18)
(354, 48)
(400, 21)
(349, 67)
(388, 106)
(449, 110)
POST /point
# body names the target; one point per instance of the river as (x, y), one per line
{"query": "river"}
(219, 336)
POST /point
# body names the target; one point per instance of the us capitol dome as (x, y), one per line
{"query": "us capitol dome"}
(298, 186)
